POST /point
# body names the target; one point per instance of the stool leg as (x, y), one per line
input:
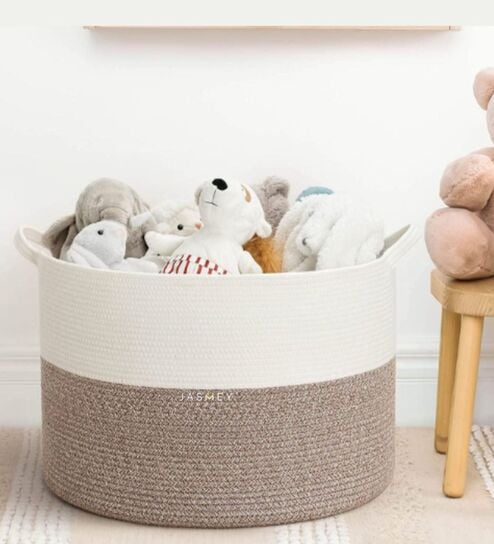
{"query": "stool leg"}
(448, 353)
(463, 405)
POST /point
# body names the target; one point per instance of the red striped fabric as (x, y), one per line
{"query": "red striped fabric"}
(187, 264)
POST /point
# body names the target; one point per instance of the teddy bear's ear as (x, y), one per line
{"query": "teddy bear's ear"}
(483, 87)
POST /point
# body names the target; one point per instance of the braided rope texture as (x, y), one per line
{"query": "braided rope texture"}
(218, 458)
(220, 332)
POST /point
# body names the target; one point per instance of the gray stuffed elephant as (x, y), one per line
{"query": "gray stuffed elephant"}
(103, 199)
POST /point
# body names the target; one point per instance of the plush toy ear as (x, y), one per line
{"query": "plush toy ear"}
(60, 235)
(483, 87)
(276, 186)
(137, 221)
(197, 194)
(264, 229)
(152, 238)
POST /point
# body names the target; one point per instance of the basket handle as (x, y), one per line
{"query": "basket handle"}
(399, 243)
(29, 243)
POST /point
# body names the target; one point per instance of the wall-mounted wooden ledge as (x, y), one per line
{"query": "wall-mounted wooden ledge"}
(436, 28)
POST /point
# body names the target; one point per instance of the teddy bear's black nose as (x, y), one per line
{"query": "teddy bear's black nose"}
(220, 184)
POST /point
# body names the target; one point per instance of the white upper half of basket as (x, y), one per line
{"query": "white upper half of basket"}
(219, 332)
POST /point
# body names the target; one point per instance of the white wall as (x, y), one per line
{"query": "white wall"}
(376, 113)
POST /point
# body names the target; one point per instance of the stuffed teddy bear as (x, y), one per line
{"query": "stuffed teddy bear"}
(103, 199)
(231, 214)
(175, 220)
(273, 195)
(102, 245)
(460, 238)
(323, 230)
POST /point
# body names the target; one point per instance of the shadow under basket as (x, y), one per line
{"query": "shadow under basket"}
(217, 401)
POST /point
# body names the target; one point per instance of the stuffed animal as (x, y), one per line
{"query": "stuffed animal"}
(103, 199)
(174, 221)
(323, 231)
(231, 214)
(171, 217)
(273, 194)
(315, 190)
(460, 238)
(102, 245)
(266, 253)
(161, 246)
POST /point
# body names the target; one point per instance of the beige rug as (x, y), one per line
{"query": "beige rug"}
(411, 510)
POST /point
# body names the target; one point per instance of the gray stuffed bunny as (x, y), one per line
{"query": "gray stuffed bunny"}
(103, 199)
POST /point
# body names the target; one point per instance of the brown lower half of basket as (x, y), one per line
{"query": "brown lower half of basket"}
(242, 457)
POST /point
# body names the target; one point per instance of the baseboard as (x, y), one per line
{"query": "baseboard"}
(416, 383)
(19, 366)
(415, 387)
(20, 400)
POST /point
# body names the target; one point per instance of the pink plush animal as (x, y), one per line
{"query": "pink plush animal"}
(460, 238)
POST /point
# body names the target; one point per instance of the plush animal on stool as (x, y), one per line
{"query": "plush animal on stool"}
(231, 214)
(102, 245)
(460, 238)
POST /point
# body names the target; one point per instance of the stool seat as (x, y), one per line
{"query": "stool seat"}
(464, 306)
(470, 297)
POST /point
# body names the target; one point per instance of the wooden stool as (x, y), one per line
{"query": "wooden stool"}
(464, 306)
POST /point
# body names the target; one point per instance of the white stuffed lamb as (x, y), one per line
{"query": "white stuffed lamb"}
(172, 217)
(174, 220)
(231, 214)
(161, 246)
(328, 231)
(102, 245)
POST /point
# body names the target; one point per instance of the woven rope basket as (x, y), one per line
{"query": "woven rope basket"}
(217, 401)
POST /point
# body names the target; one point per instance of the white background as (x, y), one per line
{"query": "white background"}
(378, 114)
(253, 12)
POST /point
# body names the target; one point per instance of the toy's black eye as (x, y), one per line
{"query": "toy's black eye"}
(180, 227)
(100, 232)
(158, 254)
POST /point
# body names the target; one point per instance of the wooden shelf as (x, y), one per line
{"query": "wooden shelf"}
(437, 28)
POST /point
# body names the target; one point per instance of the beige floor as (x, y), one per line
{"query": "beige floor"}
(411, 510)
